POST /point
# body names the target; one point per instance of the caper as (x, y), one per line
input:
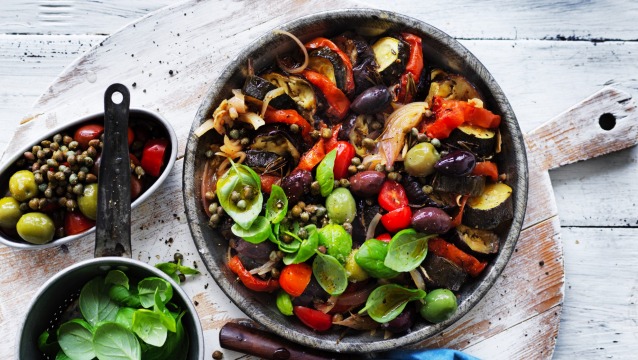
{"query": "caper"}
(241, 204)
(59, 191)
(422, 138)
(210, 195)
(313, 219)
(34, 203)
(42, 187)
(29, 155)
(48, 193)
(139, 171)
(336, 184)
(302, 233)
(304, 216)
(220, 211)
(234, 134)
(81, 176)
(52, 163)
(344, 183)
(321, 211)
(78, 189)
(50, 176)
(414, 132)
(88, 161)
(315, 187)
(301, 204)
(393, 176)
(352, 169)
(286, 238)
(178, 257)
(355, 161)
(314, 134)
(296, 211)
(212, 208)
(58, 156)
(214, 219)
(209, 153)
(361, 167)
(39, 154)
(234, 196)
(73, 145)
(59, 176)
(54, 147)
(428, 189)
(42, 203)
(64, 149)
(73, 179)
(294, 128)
(90, 178)
(24, 206)
(71, 204)
(47, 152)
(244, 141)
(66, 139)
(38, 178)
(379, 168)
(389, 168)
(94, 143)
(369, 143)
(348, 227)
(375, 125)
(248, 192)
(91, 152)
(436, 142)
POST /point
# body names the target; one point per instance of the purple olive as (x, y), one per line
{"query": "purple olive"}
(401, 323)
(296, 185)
(367, 183)
(252, 255)
(372, 100)
(456, 163)
(431, 220)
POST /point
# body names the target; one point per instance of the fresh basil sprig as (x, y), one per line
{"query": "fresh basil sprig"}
(407, 250)
(387, 302)
(277, 205)
(330, 274)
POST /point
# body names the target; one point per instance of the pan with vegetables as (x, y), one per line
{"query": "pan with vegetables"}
(355, 181)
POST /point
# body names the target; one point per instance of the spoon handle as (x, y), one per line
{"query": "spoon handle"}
(113, 228)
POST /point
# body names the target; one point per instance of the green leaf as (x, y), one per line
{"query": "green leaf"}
(185, 269)
(370, 258)
(235, 179)
(277, 205)
(175, 347)
(330, 274)
(168, 268)
(76, 339)
(62, 356)
(95, 302)
(115, 342)
(306, 247)
(167, 319)
(123, 296)
(148, 326)
(388, 301)
(147, 287)
(325, 174)
(407, 250)
(125, 317)
(116, 277)
(256, 233)
(47, 343)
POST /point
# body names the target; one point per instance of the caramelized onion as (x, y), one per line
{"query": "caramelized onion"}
(303, 66)
(373, 226)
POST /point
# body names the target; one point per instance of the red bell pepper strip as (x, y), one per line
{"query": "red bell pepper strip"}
(294, 278)
(413, 68)
(267, 181)
(486, 168)
(467, 262)
(153, 156)
(449, 114)
(289, 117)
(312, 157)
(332, 142)
(398, 219)
(323, 42)
(314, 319)
(250, 281)
(345, 153)
(338, 103)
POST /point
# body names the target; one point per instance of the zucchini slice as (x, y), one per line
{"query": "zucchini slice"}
(329, 63)
(475, 240)
(489, 209)
(480, 141)
(258, 87)
(442, 273)
(463, 185)
(391, 55)
(450, 87)
(298, 89)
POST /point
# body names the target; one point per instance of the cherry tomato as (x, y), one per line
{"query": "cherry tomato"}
(392, 196)
(153, 156)
(87, 133)
(131, 136)
(384, 237)
(345, 153)
(76, 223)
(398, 219)
(294, 278)
(314, 319)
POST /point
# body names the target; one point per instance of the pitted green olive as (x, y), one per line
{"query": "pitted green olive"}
(420, 159)
(36, 228)
(88, 201)
(9, 212)
(22, 185)
(341, 206)
(440, 305)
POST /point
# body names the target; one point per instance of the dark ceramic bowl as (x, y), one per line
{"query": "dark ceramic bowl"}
(441, 50)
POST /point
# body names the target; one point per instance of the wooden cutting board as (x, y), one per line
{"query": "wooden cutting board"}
(170, 58)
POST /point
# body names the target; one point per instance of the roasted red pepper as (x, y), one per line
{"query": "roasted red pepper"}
(338, 103)
(467, 262)
(76, 223)
(398, 219)
(456, 220)
(332, 142)
(449, 114)
(323, 42)
(250, 281)
(312, 157)
(288, 117)
(153, 156)
(486, 168)
(385, 237)
(314, 319)
(345, 153)
(413, 68)
(267, 181)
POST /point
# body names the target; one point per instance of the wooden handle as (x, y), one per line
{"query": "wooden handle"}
(603, 123)
(255, 342)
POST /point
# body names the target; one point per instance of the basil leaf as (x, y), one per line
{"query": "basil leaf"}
(330, 274)
(147, 287)
(235, 179)
(388, 301)
(125, 317)
(407, 250)
(175, 346)
(325, 175)
(47, 343)
(167, 319)
(116, 277)
(115, 342)
(306, 248)
(148, 326)
(76, 339)
(337, 241)
(277, 205)
(258, 232)
(168, 268)
(62, 356)
(185, 269)
(370, 258)
(95, 303)
(123, 296)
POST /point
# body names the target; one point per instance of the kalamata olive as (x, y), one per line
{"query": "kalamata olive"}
(372, 100)
(367, 183)
(253, 255)
(431, 220)
(401, 323)
(296, 185)
(456, 163)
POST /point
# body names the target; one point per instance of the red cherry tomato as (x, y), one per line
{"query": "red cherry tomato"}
(131, 136)
(153, 156)
(87, 133)
(76, 223)
(314, 319)
(392, 196)
(345, 153)
(384, 237)
(294, 278)
(398, 219)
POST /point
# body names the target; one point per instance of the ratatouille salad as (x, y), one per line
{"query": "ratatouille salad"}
(356, 183)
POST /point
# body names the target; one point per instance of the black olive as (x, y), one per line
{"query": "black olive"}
(296, 185)
(372, 100)
(456, 163)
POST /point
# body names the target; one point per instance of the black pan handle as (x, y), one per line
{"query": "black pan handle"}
(113, 228)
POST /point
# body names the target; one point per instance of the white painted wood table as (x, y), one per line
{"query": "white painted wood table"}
(546, 56)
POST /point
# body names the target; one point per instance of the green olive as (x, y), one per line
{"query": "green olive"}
(36, 228)
(440, 305)
(337, 241)
(354, 271)
(420, 159)
(341, 206)
(9, 212)
(87, 202)
(22, 185)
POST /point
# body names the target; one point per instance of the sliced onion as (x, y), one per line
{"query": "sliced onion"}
(373, 226)
(269, 96)
(238, 101)
(303, 66)
(328, 305)
(204, 127)
(400, 122)
(253, 119)
(265, 268)
(418, 279)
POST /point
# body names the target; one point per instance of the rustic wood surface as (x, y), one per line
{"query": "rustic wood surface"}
(546, 56)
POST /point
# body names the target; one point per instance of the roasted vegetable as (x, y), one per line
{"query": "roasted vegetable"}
(475, 240)
(258, 88)
(276, 139)
(442, 273)
(479, 140)
(489, 209)
(299, 90)
(391, 55)
(328, 63)
(463, 185)
(450, 87)
(265, 161)
(467, 262)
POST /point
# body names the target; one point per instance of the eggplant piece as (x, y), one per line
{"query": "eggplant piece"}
(442, 273)
(258, 87)
(329, 64)
(276, 138)
(489, 209)
(362, 220)
(311, 294)
(266, 162)
(463, 185)
(355, 129)
(450, 87)
(391, 54)
(301, 92)
(482, 242)
(480, 141)
(252, 255)
(364, 65)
